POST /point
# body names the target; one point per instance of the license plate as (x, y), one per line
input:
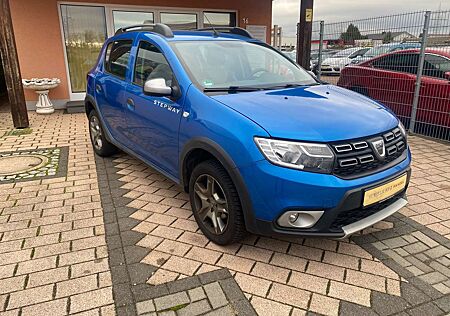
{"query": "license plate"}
(384, 191)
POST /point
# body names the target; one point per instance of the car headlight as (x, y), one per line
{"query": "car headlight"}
(303, 156)
(402, 129)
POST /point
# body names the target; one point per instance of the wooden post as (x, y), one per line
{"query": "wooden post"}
(11, 68)
(304, 33)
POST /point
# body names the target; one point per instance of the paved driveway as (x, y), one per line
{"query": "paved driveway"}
(82, 234)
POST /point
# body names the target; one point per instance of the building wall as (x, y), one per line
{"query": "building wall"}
(40, 46)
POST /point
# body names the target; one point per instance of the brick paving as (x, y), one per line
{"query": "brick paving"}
(113, 236)
(53, 255)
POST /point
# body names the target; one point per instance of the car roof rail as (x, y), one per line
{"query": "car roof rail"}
(227, 29)
(158, 28)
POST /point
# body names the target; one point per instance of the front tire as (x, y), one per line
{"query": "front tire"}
(215, 203)
(101, 145)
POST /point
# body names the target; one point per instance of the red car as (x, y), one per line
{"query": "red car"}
(391, 79)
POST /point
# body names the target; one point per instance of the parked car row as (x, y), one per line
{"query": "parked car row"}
(384, 49)
(334, 64)
(391, 79)
(333, 61)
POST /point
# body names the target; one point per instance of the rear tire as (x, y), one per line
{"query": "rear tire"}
(101, 145)
(215, 203)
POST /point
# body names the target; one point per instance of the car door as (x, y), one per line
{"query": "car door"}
(152, 121)
(110, 87)
(434, 101)
(393, 80)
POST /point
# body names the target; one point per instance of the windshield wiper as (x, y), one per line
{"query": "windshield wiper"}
(233, 89)
(291, 85)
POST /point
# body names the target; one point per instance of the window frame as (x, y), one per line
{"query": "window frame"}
(194, 13)
(105, 68)
(131, 10)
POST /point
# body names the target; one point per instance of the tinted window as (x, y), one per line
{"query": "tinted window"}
(151, 64)
(436, 66)
(116, 59)
(407, 63)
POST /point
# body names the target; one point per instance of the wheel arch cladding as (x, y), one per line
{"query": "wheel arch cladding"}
(201, 149)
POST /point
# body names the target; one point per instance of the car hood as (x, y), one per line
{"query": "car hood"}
(321, 113)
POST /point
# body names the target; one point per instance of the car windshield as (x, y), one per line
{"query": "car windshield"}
(376, 51)
(223, 64)
(343, 53)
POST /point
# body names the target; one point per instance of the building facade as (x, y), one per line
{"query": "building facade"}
(62, 39)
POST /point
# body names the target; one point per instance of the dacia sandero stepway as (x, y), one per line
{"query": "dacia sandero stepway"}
(259, 144)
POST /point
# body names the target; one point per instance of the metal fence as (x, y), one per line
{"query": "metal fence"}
(402, 61)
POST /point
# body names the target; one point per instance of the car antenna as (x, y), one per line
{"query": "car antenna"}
(216, 34)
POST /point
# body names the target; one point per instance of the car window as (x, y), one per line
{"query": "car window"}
(360, 52)
(406, 63)
(116, 58)
(436, 66)
(151, 64)
(376, 51)
(221, 64)
(344, 53)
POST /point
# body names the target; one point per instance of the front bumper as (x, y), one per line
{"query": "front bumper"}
(278, 190)
(330, 70)
(371, 220)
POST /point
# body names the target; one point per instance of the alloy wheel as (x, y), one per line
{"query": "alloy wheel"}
(96, 133)
(211, 204)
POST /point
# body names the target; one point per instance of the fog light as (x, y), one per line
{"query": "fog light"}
(300, 219)
(293, 218)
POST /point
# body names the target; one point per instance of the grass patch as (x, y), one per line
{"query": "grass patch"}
(178, 307)
(18, 132)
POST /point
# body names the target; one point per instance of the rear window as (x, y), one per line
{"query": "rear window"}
(117, 56)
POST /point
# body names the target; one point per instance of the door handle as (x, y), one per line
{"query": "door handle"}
(130, 103)
(98, 88)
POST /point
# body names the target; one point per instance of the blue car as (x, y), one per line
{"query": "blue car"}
(259, 144)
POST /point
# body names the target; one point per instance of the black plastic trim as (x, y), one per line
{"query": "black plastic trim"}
(220, 154)
(158, 28)
(352, 200)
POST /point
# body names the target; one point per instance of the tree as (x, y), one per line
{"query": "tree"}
(352, 34)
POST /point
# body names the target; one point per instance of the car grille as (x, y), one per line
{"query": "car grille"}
(359, 158)
(352, 216)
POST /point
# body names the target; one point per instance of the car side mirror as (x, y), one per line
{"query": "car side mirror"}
(157, 87)
(447, 75)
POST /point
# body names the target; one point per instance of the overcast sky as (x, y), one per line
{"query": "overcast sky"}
(286, 12)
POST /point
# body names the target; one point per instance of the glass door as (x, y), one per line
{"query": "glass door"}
(84, 29)
(123, 18)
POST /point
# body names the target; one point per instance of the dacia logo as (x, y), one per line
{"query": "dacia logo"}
(379, 148)
(166, 106)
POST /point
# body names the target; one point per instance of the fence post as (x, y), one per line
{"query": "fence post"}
(423, 46)
(319, 61)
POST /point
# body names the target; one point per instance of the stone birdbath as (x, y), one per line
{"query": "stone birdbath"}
(42, 88)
